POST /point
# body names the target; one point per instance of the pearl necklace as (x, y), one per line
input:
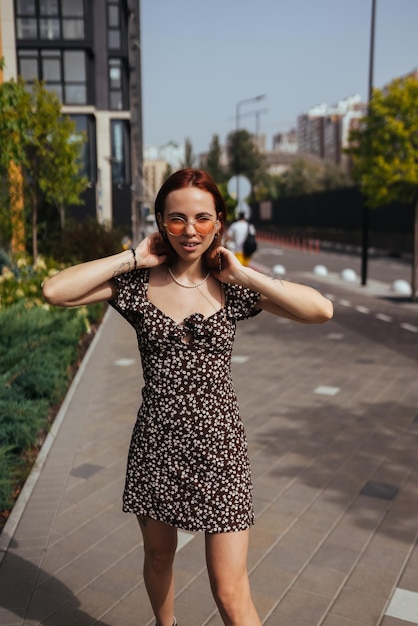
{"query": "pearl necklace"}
(193, 286)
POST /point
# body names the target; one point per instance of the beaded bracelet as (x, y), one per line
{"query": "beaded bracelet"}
(135, 263)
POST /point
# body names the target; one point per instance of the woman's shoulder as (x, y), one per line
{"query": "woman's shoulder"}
(130, 285)
(241, 302)
(135, 277)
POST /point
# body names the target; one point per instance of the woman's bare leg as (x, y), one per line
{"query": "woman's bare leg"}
(226, 557)
(160, 543)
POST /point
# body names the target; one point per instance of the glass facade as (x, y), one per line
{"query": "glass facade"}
(60, 23)
(118, 85)
(80, 50)
(50, 19)
(64, 72)
(120, 152)
(114, 32)
(86, 124)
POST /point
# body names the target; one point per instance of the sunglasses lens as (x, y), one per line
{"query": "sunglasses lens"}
(204, 227)
(177, 226)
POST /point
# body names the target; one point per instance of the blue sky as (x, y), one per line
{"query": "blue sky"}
(200, 58)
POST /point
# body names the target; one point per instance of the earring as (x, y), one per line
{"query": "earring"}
(219, 261)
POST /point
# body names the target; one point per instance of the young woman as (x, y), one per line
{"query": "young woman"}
(188, 467)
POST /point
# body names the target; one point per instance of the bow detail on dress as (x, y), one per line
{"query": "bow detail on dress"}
(195, 325)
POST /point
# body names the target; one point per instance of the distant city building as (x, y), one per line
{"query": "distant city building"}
(286, 143)
(171, 153)
(157, 161)
(324, 130)
(259, 142)
(154, 172)
(88, 53)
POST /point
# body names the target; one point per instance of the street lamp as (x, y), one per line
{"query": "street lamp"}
(240, 104)
(247, 101)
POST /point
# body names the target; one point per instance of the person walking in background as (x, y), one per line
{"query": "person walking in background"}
(188, 466)
(237, 234)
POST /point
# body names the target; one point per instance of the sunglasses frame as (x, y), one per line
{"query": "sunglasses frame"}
(193, 223)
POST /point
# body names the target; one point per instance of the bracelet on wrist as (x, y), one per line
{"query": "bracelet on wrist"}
(135, 261)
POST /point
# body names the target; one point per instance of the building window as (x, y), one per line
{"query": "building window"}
(63, 71)
(75, 77)
(28, 64)
(118, 82)
(72, 19)
(114, 37)
(86, 124)
(50, 19)
(121, 167)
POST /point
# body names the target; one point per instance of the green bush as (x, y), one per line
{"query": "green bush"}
(8, 465)
(39, 346)
(37, 337)
(21, 281)
(83, 241)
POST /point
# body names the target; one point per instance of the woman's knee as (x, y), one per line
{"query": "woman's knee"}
(226, 556)
(233, 597)
(159, 562)
(160, 544)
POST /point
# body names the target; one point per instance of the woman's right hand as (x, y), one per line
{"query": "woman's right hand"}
(151, 251)
(92, 281)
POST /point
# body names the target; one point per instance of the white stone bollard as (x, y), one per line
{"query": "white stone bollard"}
(320, 270)
(402, 286)
(279, 269)
(349, 275)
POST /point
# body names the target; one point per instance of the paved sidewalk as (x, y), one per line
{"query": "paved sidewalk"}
(331, 414)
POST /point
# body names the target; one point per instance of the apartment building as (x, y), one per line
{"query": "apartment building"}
(324, 130)
(88, 53)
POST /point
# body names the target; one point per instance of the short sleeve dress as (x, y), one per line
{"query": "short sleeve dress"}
(188, 463)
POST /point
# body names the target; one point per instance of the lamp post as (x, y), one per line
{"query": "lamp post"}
(365, 228)
(237, 120)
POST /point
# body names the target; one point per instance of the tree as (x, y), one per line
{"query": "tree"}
(64, 184)
(14, 123)
(212, 162)
(303, 177)
(385, 151)
(334, 176)
(39, 141)
(189, 158)
(51, 163)
(243, 156)
(167, 172)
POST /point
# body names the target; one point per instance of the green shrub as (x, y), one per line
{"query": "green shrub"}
(7, 467)
(20, 422)
(21, 281)
(39, 347)
(84, 241)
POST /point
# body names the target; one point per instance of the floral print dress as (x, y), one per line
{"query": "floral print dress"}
(188, 464)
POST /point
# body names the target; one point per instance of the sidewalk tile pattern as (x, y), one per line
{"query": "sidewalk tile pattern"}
(335, 483)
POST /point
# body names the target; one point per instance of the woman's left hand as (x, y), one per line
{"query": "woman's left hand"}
(231, 268)
(280, 297)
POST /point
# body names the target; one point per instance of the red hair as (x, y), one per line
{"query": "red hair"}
(191, 177)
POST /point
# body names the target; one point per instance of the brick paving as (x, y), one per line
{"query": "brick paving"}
(331, 414)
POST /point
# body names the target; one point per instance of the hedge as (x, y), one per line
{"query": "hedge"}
(39, 348)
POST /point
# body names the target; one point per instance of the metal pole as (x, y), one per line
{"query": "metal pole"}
(365, 231)
(241, 102)
(236, 144)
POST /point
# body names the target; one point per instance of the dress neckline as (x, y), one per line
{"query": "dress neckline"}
(196, 313)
